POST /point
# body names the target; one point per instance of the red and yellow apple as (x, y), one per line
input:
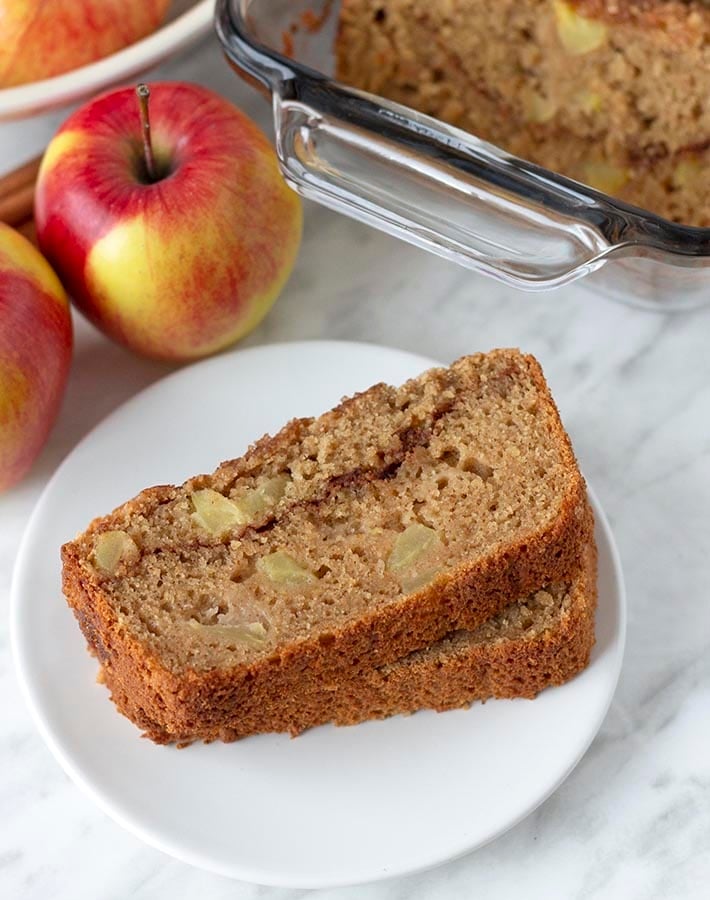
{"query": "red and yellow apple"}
(35, 352)
(178, 265)
(42, 38)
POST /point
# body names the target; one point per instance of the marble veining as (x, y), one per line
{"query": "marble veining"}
(633, 821)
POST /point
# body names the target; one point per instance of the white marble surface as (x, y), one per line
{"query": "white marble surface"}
(633, 821)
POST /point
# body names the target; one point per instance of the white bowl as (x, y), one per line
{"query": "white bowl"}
(187, 21)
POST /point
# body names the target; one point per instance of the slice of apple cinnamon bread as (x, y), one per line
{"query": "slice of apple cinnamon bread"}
(337, 546)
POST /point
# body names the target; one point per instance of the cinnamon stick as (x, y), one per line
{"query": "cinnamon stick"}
(17, 190)
(15, 208)
(20, 177)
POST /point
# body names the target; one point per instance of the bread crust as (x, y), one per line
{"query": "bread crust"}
(225, 704)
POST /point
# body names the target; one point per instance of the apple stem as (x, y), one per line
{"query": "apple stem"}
(143, 92)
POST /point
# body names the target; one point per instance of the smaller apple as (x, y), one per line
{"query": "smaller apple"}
(42, 38)
(171, 228)
(35, 352)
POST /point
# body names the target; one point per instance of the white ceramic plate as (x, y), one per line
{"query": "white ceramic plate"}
(338, 805)
(186, 22)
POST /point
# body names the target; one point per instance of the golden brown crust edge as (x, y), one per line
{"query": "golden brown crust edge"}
(224, 704)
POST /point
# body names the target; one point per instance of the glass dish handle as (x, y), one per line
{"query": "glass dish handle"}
(431, 185)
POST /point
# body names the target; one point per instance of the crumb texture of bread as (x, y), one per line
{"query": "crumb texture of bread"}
(611, 93)
(337, 546)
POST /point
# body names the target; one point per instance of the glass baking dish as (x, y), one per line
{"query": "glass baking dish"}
(441, 188)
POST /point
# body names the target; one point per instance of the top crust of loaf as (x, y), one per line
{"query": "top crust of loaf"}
(169, 702)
